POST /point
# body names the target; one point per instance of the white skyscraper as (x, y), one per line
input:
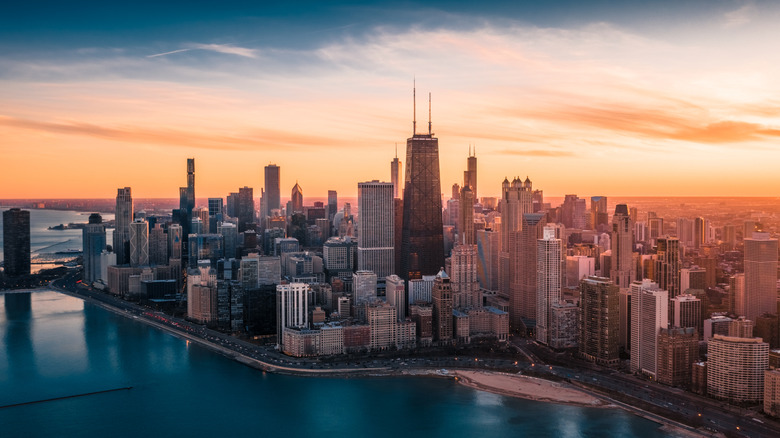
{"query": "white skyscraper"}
(548, 281)
(649, 313)
(292, 308)
(395, 291)
(376, 232)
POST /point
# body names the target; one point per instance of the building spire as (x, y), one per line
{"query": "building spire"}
(396, 149)
(414, 105)
(429, 114)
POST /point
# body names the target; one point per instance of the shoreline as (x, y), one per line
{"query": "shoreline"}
(480, 380)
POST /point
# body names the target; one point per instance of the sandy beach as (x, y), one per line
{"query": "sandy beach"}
(515, 385)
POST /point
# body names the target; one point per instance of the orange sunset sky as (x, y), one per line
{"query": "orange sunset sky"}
(680, 102)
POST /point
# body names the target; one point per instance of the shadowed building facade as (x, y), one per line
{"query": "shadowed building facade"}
(16, 242)
(422, 240)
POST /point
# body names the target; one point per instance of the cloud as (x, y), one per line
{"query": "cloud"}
(250, 140)
(535, 153)
(219, 48)
(739, 17)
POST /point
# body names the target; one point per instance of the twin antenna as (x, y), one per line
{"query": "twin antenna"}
(414, 122)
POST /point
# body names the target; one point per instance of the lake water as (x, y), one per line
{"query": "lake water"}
(44, 240)
(53, 345)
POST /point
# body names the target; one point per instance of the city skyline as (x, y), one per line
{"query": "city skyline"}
(681, 93)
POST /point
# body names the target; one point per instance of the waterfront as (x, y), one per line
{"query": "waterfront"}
(44, 240)
(55, 345)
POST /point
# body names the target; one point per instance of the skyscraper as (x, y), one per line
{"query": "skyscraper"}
(667, 265)
(376, 232)
(422, 240)
(463, 278)
(470, 175)
(760, 276)
(246, 208)
(442, 308)
(296, 199)
(548, 281)
(516, 201)
(395, 174)
(333, 205)
(139, 243)
(271, 200)
(523, 285)
(649, 314)
(216, 212)
(599, 321)
(466, 217)
(598, 213)
(16, 242)
(93, 238)
(123, 217)
(622, 272)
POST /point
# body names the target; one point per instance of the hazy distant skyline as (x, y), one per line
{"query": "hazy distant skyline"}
(642, 98)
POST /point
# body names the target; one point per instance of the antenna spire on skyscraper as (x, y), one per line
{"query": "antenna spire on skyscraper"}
(414, 105)
(429, 114)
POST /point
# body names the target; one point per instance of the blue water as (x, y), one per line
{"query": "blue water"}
(53, 345)
(44, 240)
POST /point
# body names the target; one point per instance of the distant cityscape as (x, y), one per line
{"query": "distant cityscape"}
(681, 298)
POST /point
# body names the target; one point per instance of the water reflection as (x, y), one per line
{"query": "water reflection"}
(18, 341)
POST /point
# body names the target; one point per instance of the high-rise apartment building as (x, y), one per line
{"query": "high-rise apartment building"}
(599, 321)
(333, 206)
(292, 308)
(760, 276)
(667, 265)
(678, 349)
(735, 368)
(488, 246)
(466, 234)
(463, 277)
(573, 212)
(687, 312)
(16, 242)
(622, 272)
(93, 238)
(649, 314)
(422, 240)
(442, 309)
(174, 241)
(548, 281)
(516, 201)
(376, 229)
(216, 213)
(123, 215)
(524, 272)
(395, 291)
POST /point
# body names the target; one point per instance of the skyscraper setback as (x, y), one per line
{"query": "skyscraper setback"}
(422, 241)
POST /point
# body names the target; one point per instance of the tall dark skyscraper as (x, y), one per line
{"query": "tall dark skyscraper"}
(94, 242)
(124, 216)
(246, 209)
(422, 241)
(333, 204)
(271, 193)
(16, 242)
(470, 174)
(186, 202)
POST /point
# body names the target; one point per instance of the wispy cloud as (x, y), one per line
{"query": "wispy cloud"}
(739, 17)
(535, 153)
(219, 48)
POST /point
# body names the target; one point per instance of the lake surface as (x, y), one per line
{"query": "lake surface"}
(53, 345)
